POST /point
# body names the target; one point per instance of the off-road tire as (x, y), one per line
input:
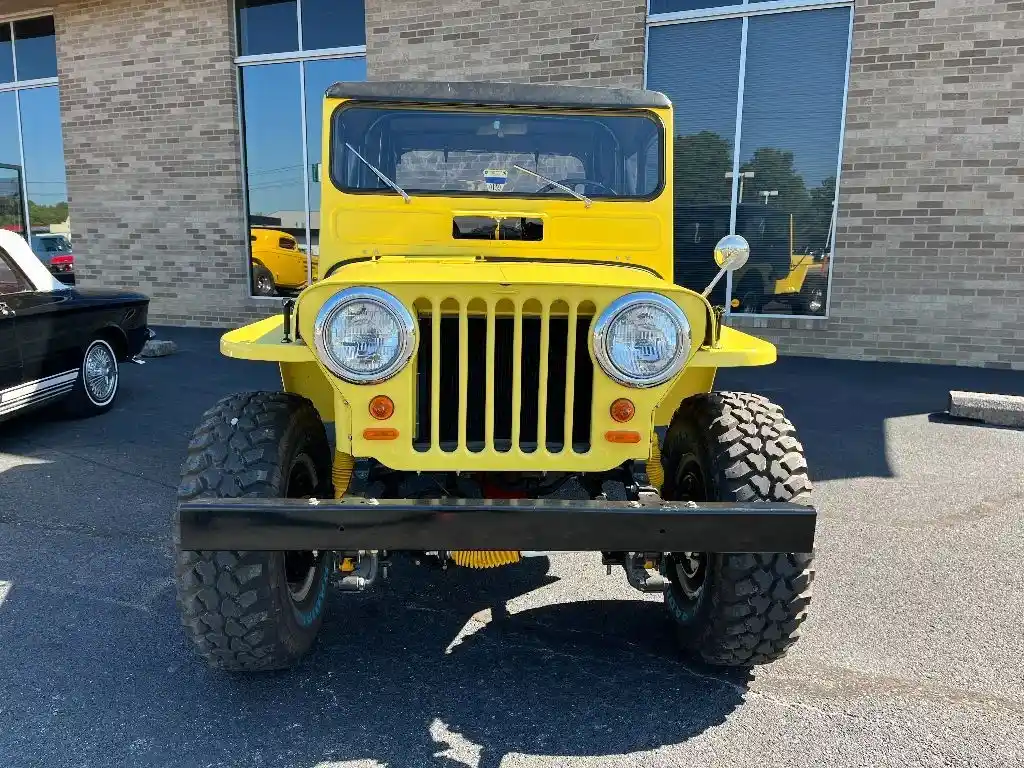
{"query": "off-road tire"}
(751, 606)
(237, 606)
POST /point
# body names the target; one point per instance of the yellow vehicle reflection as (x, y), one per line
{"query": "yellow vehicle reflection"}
(278, 263)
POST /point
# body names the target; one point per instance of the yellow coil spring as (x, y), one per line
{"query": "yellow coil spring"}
(341, 472)
(469, 558)
(655, 472)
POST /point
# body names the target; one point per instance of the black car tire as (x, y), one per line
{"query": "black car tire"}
(736, 609)
(263, 281)
(95, 389)
(258, 610)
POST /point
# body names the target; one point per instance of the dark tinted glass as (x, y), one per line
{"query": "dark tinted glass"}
(6, 55)
(697, 65)
(44, 158)
(35, 48)
(792, 113)
(332, 23)
(671, 6)
(267, 26)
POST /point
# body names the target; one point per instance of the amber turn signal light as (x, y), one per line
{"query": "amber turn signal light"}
(622, 410)
(380, 433)
(382, 407)
(622, 436)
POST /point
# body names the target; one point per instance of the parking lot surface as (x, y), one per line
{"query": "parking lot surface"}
(912, 654)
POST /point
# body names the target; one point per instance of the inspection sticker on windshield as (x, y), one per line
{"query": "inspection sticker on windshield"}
(495, 179)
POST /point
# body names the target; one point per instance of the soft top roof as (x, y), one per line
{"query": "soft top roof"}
(498, 94)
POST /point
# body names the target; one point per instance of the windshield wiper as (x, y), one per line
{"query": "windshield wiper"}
(380, 174)
(586, 200)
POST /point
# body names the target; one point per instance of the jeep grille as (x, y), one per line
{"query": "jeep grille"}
(493, 375)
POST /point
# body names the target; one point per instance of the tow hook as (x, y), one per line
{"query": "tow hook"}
(358, 571)
(643, 572)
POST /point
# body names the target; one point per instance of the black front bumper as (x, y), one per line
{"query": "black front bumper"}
(508, 524)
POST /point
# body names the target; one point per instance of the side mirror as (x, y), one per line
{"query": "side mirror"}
(732, 252)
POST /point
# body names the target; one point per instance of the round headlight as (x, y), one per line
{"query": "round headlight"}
(364, 335)
(642, 339)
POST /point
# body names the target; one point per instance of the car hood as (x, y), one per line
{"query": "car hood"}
(101, 295)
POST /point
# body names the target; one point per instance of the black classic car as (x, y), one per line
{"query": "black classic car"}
(59, 343)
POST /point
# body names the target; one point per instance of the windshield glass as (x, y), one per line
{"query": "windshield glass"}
(57, 244)
(435, 151)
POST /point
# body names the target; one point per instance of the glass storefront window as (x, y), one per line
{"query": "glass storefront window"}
(778, 187)
(282, 114)
(672, 6)
(33, 186)
(267, 26)
(792, 117)
(35, 48)
(698, 67)
(45, 182)
(332, 23)
(272, 104)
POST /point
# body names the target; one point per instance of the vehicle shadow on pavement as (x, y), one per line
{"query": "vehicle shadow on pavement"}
(431, 685)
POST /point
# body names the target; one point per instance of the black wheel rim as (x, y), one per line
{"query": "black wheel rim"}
(691, 568)
(300, 567)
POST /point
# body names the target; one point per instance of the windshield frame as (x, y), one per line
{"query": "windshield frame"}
(648, 114)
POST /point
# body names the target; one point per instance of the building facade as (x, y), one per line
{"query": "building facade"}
(873, 147)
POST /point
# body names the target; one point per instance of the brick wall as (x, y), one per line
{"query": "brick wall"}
(539, 41)
(929, 260)
(148, 106)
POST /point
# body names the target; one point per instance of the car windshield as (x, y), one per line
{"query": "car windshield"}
(437, 151)
(53, 244)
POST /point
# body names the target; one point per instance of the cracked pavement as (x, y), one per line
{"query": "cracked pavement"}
(911, 656)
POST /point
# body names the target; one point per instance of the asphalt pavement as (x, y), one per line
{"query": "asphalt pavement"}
(912, 655)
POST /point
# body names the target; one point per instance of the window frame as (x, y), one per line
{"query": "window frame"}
(301, 57)
(744, 10)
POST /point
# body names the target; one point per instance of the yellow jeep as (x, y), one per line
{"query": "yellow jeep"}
(495, 363)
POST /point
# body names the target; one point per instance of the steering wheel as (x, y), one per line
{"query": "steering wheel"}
(573, 183)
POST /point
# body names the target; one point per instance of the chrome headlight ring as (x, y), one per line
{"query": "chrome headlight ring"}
(397, 342)
(647, 342)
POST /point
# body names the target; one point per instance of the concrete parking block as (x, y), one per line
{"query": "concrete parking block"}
(997, 410)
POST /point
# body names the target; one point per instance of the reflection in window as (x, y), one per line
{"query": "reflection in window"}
(697, 66)
(792, 113)
(35, 48)
(332, 23)
(267, 26)
(44, 158)
(319, 76)
(271, 103)
(12, 206)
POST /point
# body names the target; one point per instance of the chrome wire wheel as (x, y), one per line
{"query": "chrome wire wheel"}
(99, 373)
(300, 567)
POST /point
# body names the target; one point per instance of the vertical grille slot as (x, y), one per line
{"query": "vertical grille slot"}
(498, 375)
